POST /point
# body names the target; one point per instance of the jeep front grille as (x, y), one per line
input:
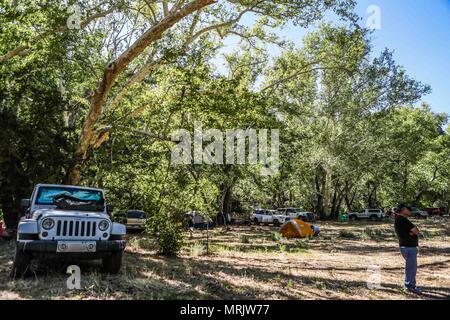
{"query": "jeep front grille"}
(75, 228)
(71, 228)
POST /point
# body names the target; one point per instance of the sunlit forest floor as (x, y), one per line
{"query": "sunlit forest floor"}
(253, 262)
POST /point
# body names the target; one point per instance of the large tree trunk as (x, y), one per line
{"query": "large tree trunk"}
(111, 73)
(319, 202)
(335, 202)
(225, 205)
(323, 190)
(280, 199)
(372, 201)
(349, 198)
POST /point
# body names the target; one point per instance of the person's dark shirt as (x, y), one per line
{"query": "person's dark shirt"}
(402, 228)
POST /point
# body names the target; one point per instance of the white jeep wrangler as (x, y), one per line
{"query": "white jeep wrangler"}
(69, 222)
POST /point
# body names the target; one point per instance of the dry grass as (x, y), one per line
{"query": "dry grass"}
(253, 262)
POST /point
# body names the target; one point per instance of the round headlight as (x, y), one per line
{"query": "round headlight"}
(48, 223)
(103, 225)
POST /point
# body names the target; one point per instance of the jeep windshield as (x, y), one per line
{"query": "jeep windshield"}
(68, 198)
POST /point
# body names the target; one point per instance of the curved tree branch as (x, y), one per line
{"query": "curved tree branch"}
(112, 72)
(154, 64)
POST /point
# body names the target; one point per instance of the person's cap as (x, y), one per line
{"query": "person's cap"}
(403, 206)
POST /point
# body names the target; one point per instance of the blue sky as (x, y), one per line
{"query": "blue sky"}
(419, 33)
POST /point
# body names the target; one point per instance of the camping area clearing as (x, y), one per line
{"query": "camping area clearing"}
(254, 262)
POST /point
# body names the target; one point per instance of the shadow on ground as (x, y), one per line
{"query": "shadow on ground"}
(231, 275)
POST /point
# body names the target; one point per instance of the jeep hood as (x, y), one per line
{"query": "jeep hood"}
(42, 213)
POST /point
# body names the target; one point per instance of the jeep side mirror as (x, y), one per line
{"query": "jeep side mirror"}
(109, 209)
(25, 203)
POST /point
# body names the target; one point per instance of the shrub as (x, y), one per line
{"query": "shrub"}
(289, 284)
(302, 244)
(373, 234)
(196, 249)
(275, 236)
(168, 234)
(349, 235)
(244, 239)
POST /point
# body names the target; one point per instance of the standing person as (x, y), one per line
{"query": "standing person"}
(408, 237)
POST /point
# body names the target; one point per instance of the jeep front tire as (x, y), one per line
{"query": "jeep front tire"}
(113, 262)
(21, 264)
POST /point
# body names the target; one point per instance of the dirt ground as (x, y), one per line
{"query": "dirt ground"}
(254, 262)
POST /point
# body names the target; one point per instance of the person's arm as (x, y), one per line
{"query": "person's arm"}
(414, 231)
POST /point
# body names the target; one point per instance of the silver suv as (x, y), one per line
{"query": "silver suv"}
(68, 222)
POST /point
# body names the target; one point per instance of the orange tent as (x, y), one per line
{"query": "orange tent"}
(297, 228)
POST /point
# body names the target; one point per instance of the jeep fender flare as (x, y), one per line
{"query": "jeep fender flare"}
(28, 226)
(118, 229)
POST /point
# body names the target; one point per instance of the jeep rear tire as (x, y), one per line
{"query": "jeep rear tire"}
(113, 262)
(255, 221)
(353, 217)
(373, 218)
(276, 223)
(21, 264)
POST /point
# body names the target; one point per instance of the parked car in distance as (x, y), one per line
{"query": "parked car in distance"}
(435, 211)
(68, 222)
(135, 220)
(199, 220)
(372, 214)
(310, 217)
(306, 216)
(267, 216)
(416, 212)
(296, 213)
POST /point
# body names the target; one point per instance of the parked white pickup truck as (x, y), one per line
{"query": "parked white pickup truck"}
(296, 213)
(266, 216)
(372, 214)
(68, 222)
